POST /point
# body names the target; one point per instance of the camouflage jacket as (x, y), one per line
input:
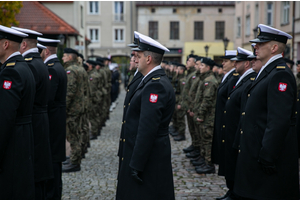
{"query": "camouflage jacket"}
(207, 90)
(131, 75)
(185, 91)
(192, 92)
(75, 89)
(103, 81)
(178, 86)
(86, 89)
(108, 77)
(298, 83)
(95, 84)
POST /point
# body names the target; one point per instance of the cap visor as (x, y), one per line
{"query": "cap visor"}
(227, 57)
(257, 40)
(238, 59)
(136, 49)
(132, 45)
(251, 57)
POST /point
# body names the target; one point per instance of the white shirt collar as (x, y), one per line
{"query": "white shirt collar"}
(249, 71)
(14, 54)
(32, 50)
(152, 70)
(136, 71)
(225, 76)
(269, 61)
(50, 57)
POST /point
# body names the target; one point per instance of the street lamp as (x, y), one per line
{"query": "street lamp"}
(61, 37)
(192, 52)
(206, 50)
(225, 41)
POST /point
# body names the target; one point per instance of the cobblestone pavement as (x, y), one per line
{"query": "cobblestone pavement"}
(97, 178)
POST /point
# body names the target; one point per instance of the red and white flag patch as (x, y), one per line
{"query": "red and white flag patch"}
(7, 85)
(91, 79)
(194, 77)
(183, 83)
(205, 84)
(68, 72)
(153, 98)
(50, 77)
(282, 87)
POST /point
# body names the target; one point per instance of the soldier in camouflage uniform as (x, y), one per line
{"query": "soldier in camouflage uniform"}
(193, 106)
(205, 114)
(132, 69)
(108, 88)
(179, 121)
(184, 101)
(74, 107)
(95, 98)
(84, 130)
(103, 86)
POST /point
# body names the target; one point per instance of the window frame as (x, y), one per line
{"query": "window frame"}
(93, 6)
(201, 30)
(172, 34)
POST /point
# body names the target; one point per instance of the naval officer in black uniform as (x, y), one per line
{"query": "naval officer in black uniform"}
(56, 114)
(145, 171)
(17, 89)
(232, 113)
(267, 162)
(40, 123)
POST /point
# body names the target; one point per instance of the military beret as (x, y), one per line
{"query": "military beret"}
(298, 62)
(182, 65)
(69, 50)
(207, 61)
(91, 62)
(81, 56)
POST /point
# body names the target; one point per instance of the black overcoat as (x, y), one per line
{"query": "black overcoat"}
(57, 109)
(146, 141)
(217, 152)
(130, 90)
(268, 133)
(43, 169)
(16, 138)
(232, 115)
(114, 85)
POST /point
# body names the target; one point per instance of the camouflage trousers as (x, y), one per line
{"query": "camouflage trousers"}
(73, 136)
(206, 142)
(174, 119)
(94, 119)
(104, 110)
(84, 130)
(180, 121)
(197, 136)
(108, 100)
(191, 126)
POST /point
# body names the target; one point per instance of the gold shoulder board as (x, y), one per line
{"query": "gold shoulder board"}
(235, 74)
(28, 59)
(280, 67)
(11, 64)
(252, 79)
(156, 78)
(50, 64)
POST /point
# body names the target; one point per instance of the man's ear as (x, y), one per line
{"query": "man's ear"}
(149, 59)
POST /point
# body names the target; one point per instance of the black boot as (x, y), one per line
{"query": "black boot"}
(193, 154)
(189, 149)
(225, 196)
(206, 169)
(93, 137)
(71, 167)
(174, 134)
(199, 162)
(172, 129)
(179, 137)
(193, 159)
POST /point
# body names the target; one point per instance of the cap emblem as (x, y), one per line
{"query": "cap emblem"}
(258, 31)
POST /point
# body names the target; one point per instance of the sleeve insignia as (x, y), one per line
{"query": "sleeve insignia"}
(280, 67)
(153, 98)
(50, 64)
(156, 78)
(68, 72)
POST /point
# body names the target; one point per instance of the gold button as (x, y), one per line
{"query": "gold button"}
(129, 104)
(225, 111)
(241, 132)
(124, 121)
(223, 126)
(228, 97)
(243, 113)
(239, 151)
(297, 99)
(296, 112)
(248, 95)
(123, 140)
(223, 141)
(120, 139)
(124, 106)
(128, 90)
(122, 158)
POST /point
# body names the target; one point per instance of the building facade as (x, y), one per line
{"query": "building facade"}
(188, 27)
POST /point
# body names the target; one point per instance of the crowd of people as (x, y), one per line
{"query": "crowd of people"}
(43, 104)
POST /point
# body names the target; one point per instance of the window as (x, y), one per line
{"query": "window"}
(248, 24)
(174, 10)
(153, 29)
(199, 10)
(174, 30)
(94, 35)
(220, 10)
(270, 13)
(153, 10)
(119, 10)
(119, 35)
(94, 7)
(220, 30)
(238, 27)
(285, 12)
(198, 30)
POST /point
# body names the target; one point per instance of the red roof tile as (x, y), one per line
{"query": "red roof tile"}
(33, 15)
